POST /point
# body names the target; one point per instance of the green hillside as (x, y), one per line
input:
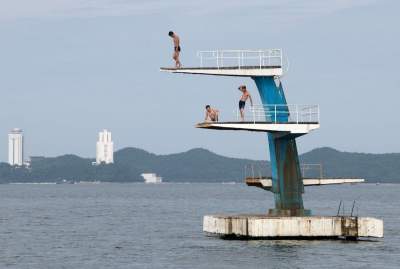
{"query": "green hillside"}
(196, 165)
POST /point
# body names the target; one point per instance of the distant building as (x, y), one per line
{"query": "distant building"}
(104, 148)
(16, 147)
(151, 178)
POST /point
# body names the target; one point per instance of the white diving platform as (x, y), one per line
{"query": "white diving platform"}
(244, 71)
(266, 183)
(292, 128)
(289, 119)
(242, 63)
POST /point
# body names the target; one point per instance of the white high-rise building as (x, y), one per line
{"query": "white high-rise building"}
(16, 147)
(104, 148)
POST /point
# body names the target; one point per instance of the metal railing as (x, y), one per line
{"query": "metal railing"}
(280, 113)
(257, 170)
(312, 170)
(241, 58)
(262, 171)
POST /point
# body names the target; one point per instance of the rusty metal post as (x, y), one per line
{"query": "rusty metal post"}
(287, 182)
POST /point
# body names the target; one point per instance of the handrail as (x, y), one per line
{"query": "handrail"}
(257, 171)
(278, 113)
(316, 167)
(241, 58)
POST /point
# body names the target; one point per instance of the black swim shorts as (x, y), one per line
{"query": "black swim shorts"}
(241, 104)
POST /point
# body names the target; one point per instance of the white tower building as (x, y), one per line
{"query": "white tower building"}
(104, 148)
(16, 147)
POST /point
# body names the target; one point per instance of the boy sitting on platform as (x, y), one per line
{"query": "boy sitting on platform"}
(211, 114)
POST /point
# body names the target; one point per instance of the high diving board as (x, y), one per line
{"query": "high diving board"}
(241, 63)
(289, 127)
(242, 71)
(266, 183)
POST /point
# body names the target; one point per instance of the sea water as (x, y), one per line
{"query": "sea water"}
(160, 226)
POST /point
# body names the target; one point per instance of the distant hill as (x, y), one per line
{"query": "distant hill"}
(196, 165)
(372, 167)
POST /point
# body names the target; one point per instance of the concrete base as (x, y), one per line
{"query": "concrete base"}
(308, 227)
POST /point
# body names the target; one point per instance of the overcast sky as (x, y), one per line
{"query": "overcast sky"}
(70, 68)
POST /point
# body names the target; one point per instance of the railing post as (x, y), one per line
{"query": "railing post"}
(201, 59)
(217, 59)
(320, 171)
(259, 54)
(275, 113)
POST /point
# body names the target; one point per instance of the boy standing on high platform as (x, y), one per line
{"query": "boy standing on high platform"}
(177, 48)
(242, 102)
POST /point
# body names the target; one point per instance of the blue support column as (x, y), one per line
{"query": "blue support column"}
(287, 183)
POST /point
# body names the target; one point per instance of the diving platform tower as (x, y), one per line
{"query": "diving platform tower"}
(274, 116)
(283, 123)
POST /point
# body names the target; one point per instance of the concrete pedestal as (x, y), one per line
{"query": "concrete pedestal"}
(308, 227)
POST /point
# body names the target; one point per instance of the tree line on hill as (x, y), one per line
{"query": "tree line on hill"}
(196, 165)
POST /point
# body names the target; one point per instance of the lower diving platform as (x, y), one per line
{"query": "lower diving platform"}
(266, 183)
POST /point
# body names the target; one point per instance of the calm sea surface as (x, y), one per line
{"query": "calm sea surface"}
(160, 226)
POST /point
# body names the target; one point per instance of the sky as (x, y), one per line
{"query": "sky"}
(70, 68)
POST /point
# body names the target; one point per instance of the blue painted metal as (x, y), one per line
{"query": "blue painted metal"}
(287, 183)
